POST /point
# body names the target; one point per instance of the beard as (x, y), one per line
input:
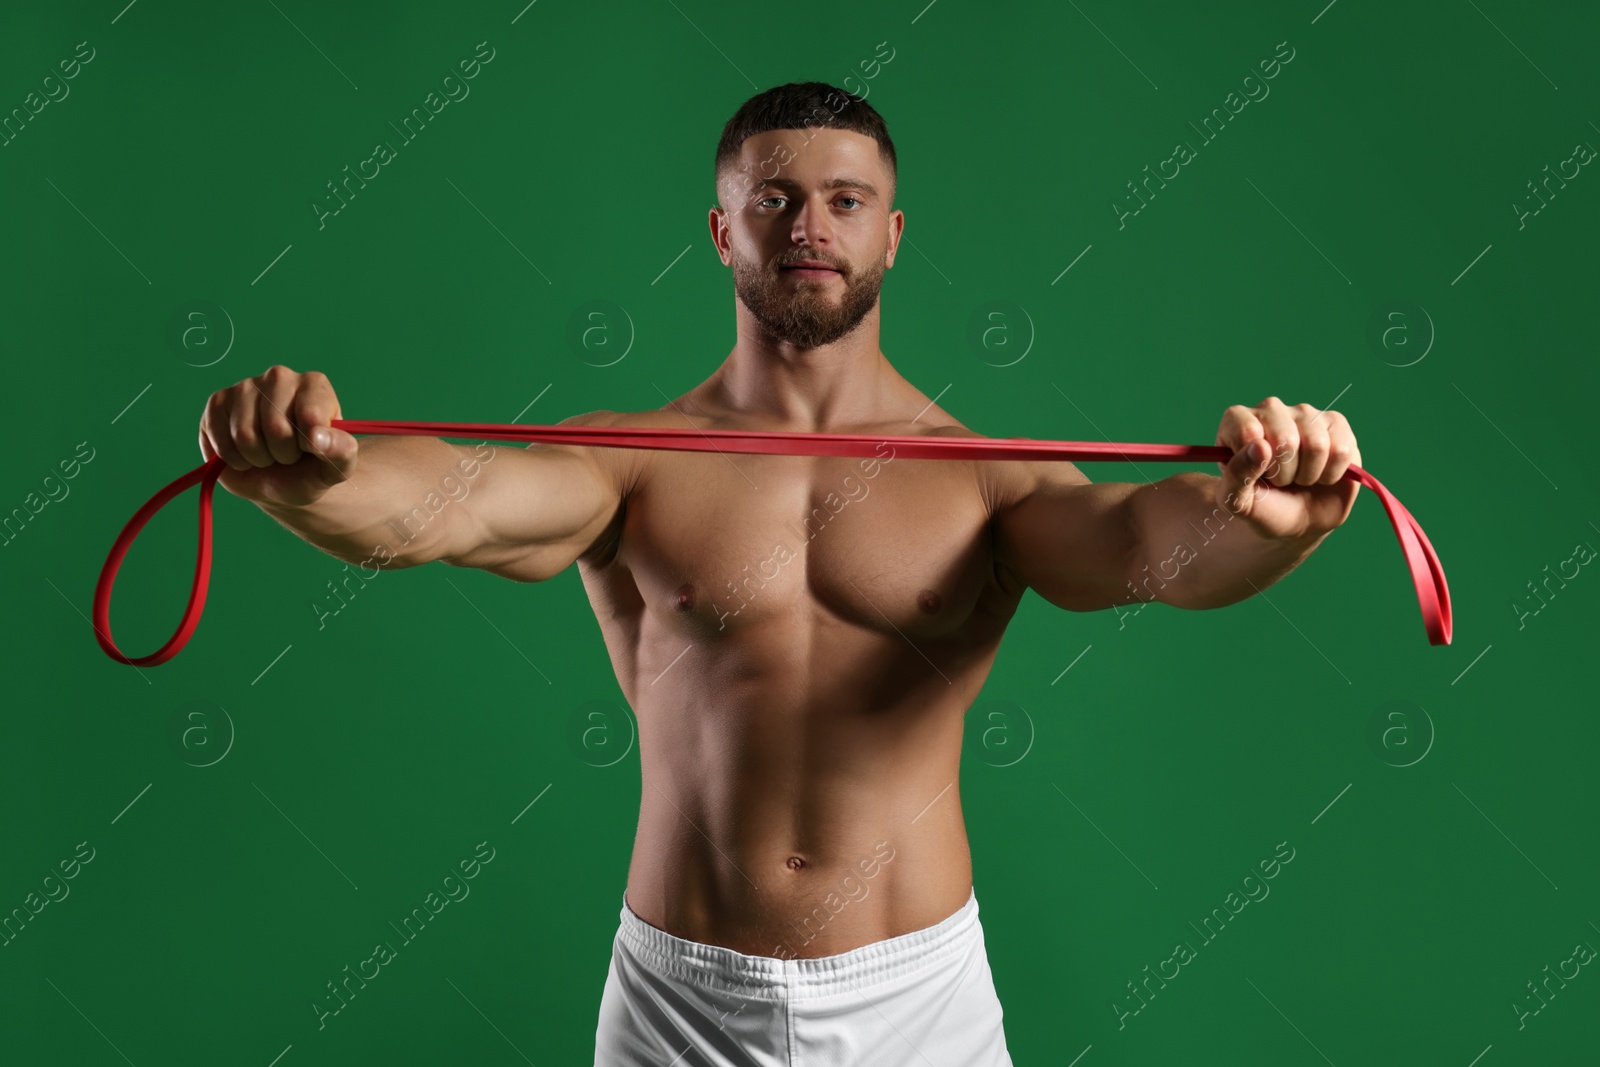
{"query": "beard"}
(802, 311)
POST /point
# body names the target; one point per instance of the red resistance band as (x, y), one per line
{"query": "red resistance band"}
(1433, 595)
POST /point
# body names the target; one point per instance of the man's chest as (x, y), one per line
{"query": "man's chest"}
(719, 543)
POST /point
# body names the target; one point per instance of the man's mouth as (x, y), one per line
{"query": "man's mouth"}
(811, 268)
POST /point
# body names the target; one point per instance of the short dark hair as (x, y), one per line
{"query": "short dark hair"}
(800, 106)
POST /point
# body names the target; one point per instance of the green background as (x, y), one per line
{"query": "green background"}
(1438, 867)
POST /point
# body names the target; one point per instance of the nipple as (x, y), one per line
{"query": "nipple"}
(929, 602)
(684, 598)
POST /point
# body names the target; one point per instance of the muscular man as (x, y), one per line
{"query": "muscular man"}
(800, 637)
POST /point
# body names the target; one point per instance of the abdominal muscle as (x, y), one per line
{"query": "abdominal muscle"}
(786, 815)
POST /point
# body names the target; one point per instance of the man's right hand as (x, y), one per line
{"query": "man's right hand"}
(274, 433)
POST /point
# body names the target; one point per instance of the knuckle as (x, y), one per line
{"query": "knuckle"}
(305, 405)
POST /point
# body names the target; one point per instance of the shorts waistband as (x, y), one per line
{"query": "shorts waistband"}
(774, 978)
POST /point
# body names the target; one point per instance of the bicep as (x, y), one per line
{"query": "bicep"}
(1068, 539)
(538, 509)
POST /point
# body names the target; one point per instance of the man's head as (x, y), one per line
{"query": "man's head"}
(806, 174)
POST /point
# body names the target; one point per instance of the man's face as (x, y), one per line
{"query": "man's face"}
(819, 196)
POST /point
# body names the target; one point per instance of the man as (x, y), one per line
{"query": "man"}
(800, 637)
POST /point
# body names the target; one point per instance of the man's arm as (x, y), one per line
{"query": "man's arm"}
(1192, 540)
(538, 509)
(402, 501)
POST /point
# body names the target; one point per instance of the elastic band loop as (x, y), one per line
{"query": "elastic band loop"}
(206, 474)
(1427, 574)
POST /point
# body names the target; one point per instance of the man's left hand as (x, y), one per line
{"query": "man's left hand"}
(1286, 477)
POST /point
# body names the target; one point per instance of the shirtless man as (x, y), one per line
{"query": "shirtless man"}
(800, 637)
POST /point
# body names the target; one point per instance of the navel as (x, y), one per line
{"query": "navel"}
(795, 863)
(929, 602)
(684, 598)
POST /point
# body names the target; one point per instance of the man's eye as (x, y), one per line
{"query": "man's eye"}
(852, 199)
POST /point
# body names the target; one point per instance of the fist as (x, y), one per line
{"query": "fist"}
(275, 434)
(1287, 472)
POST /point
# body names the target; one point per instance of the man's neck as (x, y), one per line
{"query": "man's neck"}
(847, 383)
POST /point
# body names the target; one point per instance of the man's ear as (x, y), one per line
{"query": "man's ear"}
(717, 220)
(897, 223)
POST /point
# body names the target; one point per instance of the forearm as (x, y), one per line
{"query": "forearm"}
(1192, 552)
(399, 506)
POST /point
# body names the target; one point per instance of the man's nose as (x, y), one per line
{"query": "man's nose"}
(813, 224)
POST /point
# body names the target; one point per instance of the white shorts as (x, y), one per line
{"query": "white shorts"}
(923, 998)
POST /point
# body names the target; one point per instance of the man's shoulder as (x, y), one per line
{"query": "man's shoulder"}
(951, 429)
(1005, 483)
(601, 417)
(622, 467)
